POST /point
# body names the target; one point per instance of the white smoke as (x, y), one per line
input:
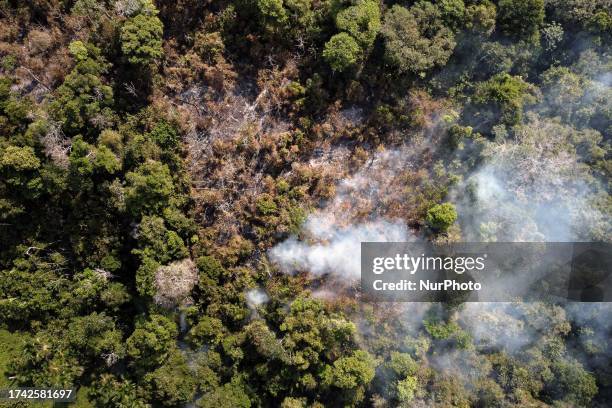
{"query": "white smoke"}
(333, 235)
(256, 297)
(495, 325)
(533, 189)
(335, 250)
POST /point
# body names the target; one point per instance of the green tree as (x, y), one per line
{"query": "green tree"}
(19, 167)
(272, 12)
(93, 290)
(86, 160)
(145, 276)
(32, 287)
(521, 18)
(157, 242)
(82, 103)
(320, 349)
(490, 394)
(578, 15)
(45, 362)
(563, 91)
(149, 188)
(208, 331)
(502, 99)
(141, 39)
(156, 246)
(304, 17)
(13, 109)
(453, 13)
(173, 383)
(573, 383)
(361, 21)
(441, 216)
(107, 391)
(210, 269)
(351, 371)
(406, 388)
(481, 17)
(151, 342)
(165, 135)
(265, 342)
(78, 50)
(359, 25)
(94, 338)
(342, 52)
(230, 395)
(416, 45)
(402, 364)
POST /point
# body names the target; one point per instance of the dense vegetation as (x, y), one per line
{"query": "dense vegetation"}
(151, 153)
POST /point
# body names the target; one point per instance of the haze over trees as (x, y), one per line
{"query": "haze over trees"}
(153, 153)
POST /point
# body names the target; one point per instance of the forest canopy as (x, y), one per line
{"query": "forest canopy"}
(167, 168)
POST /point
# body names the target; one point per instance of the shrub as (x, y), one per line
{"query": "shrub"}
(208, 45)
(266, 205)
